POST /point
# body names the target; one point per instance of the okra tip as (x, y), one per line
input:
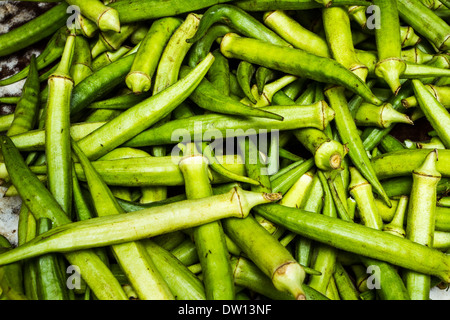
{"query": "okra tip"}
(138, 82)
(273, 197)
(109, 20)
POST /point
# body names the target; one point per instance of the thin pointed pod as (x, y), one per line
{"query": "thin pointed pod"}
(57, 129)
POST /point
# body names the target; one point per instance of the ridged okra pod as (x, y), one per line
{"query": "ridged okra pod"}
(420, 220)
(295, 62)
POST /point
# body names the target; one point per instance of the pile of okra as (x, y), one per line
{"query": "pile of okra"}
(229, 150)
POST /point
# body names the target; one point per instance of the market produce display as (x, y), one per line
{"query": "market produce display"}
(228, 150)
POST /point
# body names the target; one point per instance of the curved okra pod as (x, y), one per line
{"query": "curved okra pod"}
(337, 27)
(350, 137)
(119, 102)
(50, 54)
(268, 254)
(239, 20)
(435, 112)
(390, 66)
(359, 239)
(419, 17)
(149, 53)
(146, 223)
(33, 31)
(82, 61)
(209, 238)
(208, 97)
(105, 17)
(42, 204)
(132, 257)
(441, 93)
(57, 129)
(382, 116)
(420, 220)
(27, 108)
(244, 75)
(143, 115)
(295, 62)
(294, 33)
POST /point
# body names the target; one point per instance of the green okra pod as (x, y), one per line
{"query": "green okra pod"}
(266, 5)
(350, 137)
(105, 17)
(441, 93)
(288, 28)
(295, 62)
(33, 31)
(51, 284)
(184, 284)
(337, 27)
(419, 17)
(244, 74)
(268, 254)
(82, 60)
(209, 238)
(396, 225)
(437, 115)
(108, 57)
(26, 111)
(420, 220)
(359, 239)
(116, 228)
(143, 115)
(50, 54)
(382, 116)
(239, 20)
(57, 129)
(219, 73)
